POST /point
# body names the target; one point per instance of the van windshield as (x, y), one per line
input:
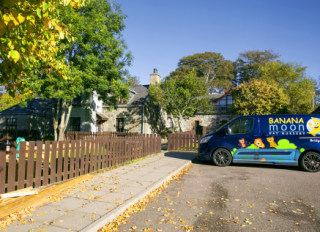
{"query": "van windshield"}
(223, 125)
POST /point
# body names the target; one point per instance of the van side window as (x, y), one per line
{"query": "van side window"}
(241, 126)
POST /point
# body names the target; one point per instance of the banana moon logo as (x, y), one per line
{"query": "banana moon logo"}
(313, 126)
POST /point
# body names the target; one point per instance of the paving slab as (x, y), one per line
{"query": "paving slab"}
(100, 200)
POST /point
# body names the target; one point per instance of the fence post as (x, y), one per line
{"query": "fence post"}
(12, 170)
(46, 163)
(22, 165)
(3, 167)
(38, 164)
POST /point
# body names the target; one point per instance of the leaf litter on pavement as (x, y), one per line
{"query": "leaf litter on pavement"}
(142, 204)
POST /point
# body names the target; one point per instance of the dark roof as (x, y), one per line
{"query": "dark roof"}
(35, 106)
(140, 95)
(316, 111)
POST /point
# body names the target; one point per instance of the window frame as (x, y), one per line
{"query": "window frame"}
(240, 125)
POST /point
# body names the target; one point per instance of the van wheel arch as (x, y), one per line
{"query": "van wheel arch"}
(219, 148)
(225, 155)
(302, 155)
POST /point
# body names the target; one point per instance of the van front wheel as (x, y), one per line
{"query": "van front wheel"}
(310, 161)
(222, 157)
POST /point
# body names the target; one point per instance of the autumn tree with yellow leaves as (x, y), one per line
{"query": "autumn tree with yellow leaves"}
(29, 32)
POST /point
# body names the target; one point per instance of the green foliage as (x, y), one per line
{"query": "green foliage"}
(285, 78)
(6, 101)
(29, 32)
(217, 72)
(181, 96)
(248, 64)
(291, 78)
(95, 59)
(257, 97)
(97, 52)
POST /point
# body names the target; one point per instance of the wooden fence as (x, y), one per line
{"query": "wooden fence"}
(79, 135)
(185, 141)
(38, 164)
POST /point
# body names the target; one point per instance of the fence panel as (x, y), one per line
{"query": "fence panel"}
(42, 163)
(186, 141)
(3, 169)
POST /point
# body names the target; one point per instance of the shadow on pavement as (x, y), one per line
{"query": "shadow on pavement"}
(181, 155)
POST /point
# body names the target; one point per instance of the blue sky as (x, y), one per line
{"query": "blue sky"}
(159, 33)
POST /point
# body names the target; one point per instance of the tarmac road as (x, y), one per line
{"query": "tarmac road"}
(234, 198)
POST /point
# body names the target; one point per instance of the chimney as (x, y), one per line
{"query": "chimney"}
(155, 78)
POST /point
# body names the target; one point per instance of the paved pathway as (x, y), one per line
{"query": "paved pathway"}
(100, 200)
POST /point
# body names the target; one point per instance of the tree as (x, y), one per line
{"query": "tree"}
(292, 79)
(248, 64)
(6, 101)
(181, 96)
(95, 59)
(217, 72)
(258, 97)
(29, 32)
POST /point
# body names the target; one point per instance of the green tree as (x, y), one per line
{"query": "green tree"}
(181, 96)
(29, 32)
(248, 64)
(292, 79)
(217, 72)
(95, 59)
(258, 97)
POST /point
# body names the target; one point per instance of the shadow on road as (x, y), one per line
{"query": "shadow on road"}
(193, 157)
(269, 166)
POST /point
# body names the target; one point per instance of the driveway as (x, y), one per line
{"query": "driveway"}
(234, 198)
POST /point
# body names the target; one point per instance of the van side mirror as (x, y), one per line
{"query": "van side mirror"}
(223, 131)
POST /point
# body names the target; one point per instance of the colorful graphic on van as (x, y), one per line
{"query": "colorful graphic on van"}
(287, 126)
(242, 143)
(272, 142)
(313, 126)
(252, 146)
(285, 144)
(258, 142)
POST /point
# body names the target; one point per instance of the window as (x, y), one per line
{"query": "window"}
(241, 126)
(75, 124)
(120, 125)
(11, 126)
(77, 101)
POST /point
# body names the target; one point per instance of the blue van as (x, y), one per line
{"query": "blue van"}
(271, 139)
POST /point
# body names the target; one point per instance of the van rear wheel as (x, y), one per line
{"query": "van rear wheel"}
(222, 157)
(310, 161)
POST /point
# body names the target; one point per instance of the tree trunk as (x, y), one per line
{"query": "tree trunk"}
(65, 115)
(173, 123)
(55, 117)
(179, 122)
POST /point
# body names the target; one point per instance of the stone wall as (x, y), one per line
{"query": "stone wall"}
(132, 118)
(212, 122)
